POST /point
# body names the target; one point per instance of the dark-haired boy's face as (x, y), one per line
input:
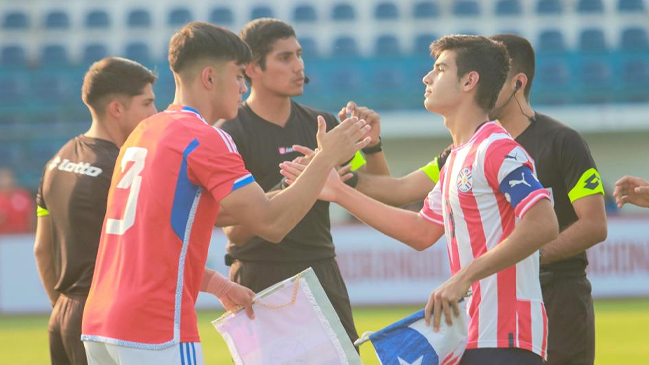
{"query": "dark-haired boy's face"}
(442, 84)
(230, 86)
(284, 71)
(139, 108)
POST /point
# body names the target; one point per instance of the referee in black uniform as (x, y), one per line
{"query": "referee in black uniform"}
(269, 123)
(566, 168)
(72, 195)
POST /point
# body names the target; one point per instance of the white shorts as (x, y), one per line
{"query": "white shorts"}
(184, 353)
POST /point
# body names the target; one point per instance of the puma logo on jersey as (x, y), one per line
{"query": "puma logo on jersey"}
(81, 168)
(513, 183)
(512, 157)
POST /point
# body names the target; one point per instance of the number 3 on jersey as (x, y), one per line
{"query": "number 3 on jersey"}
(131, 180)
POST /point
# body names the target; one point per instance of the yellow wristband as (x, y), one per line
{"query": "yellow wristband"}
(432, 170)
(358, 161)
(41, 212)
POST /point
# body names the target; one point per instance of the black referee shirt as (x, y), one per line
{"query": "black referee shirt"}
(566, 168)
(74, 189)
(263, 146)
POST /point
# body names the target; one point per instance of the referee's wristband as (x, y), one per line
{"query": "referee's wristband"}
(374, 149)
(432, 170)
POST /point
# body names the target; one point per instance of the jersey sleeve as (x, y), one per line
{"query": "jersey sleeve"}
(217, 165)
(578, 170)
(510, 170)
(432, 210)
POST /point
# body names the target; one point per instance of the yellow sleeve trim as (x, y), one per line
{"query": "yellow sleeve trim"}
(432, 170)
(358, 161)
(590, 183)
(42, 212)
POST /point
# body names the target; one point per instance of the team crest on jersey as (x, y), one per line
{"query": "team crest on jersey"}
(464, 180)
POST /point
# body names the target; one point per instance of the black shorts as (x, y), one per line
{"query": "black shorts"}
(494, 356)
(65, 331)
(571, 320)
(260, 275)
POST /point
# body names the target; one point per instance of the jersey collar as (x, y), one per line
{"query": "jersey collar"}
(185, 109)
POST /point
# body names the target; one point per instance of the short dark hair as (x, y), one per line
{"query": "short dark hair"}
(114, 76)
(522, 56)
(261, 34)
(197, 41)
(480, 54)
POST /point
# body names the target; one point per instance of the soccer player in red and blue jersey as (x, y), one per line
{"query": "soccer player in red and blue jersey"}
(493, 211)
(171, 178)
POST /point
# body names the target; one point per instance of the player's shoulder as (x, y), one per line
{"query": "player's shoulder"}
(313, 112)
(547, 125)
(493, 135)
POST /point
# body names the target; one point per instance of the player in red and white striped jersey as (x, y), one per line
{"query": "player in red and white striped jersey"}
(489, 204)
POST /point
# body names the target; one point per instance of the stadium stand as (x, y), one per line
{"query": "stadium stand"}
(372, 51)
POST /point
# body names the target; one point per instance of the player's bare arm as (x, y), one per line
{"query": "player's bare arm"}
(376, 163)
(537, 227)
(231, 294)
(412, 229)
(589, 229)
(44, 252)
(273, 218)
(632, 190)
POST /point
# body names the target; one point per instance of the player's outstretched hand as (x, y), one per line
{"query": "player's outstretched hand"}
(445, 298)
(634, 190)
(238, 296)
(370, 116)
(342, 142)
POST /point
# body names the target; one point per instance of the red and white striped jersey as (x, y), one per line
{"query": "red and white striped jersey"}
(485, 187)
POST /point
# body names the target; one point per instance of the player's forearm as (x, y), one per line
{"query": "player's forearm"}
(577, 238)
(538, 227)
(405, 226)
(240, 234)
(376, 164)
(45, 267)
(395, 191)
(286, 209)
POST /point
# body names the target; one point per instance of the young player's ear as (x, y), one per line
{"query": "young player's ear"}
(207, 77)
(471, 80)
(114, 109)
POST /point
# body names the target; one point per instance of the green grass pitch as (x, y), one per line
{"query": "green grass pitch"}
(622, 335)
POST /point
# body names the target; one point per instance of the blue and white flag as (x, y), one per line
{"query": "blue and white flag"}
(411, 342)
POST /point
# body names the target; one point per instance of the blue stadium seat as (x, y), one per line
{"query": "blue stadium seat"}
(12, 90)
(261, 11)
(548, 7)
(590, 6)
(466, 8)
(422, 43)
(346, 81)
(551, 41)
(387, 45)
(222, 16)
(309, 47)
(16, 20)
(54, 55)
(57, 19)
(553, 81)
(345, 47)
(343, 12)
(138, 51)
(635, 78)
(49, 89)
(13, 56)
(595, 77)
(97, 19)
(387, 86)
(425, 10)
(634, 39)
(179, 17)
(631, 6)
(139, 18)
(93, 52)
(304, 13)
(508, 7)
(386, 11)
(592, 41)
